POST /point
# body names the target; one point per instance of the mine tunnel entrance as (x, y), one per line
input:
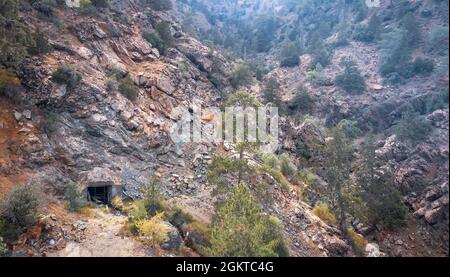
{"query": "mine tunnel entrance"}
(100, 194)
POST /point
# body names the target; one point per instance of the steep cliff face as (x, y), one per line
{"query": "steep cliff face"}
(102, 131)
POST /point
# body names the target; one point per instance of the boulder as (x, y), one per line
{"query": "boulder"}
(165, 85)
(373, 250)
(18, 116)
(433, 216)
(174, 240)
(27, 114)
(337, 247)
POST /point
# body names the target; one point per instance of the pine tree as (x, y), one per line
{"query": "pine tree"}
(164, 32)
(152, 198)
(338, 158)
(290, 55)
(383, 200)
(371, 32)
(240, 229)
(15, 36)
(242, 76)
(410, 24)
(9, 9)
(351, 79)
(412, 126)
(271, 93)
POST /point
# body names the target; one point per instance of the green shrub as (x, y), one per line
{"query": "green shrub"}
(323, 212)
(164, 32)
(117, 203)
(90, 7)
(155, 41)
(311, 75)
(396, 54)
(152, 198)
(303, 150)
(153, 230)
(137, 211)
(128, 88)
(287, 167)
(422, 66)
(302, 102)
(383, 201)
(281, 179)
(290, 56)
(65, 75)
(9, 83)
(391, 212)
(350, 129)
(371, 32)
(242, 76)
(74, 197)
(318, 50)
(85, 4)
(3, 247)
(358, 241)
(40, 45)
(264, 32)
(322, 57)
(162, 39)
(116, 72)
(9, 9)
(351, 79)
(261, 72)
(274, 233)
(397, 47)
(15, 36)
(271, 91)
(413, 126)
(19, 211)
(46, 8)
(179, 217)
(199, 237)
(270, 160)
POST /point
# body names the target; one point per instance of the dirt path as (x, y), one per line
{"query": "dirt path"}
(103, 240)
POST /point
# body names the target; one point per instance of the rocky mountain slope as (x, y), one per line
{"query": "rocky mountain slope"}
(88, 132)
(421, 169)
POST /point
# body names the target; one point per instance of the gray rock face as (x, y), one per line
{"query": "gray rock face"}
(86, 31)
(100, 137)
(174, 240)
(373, 250)
(392, 150)
(421, 172)
(337, 247)
(303, 139)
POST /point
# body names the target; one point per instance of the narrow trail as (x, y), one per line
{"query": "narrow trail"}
(103, 239)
